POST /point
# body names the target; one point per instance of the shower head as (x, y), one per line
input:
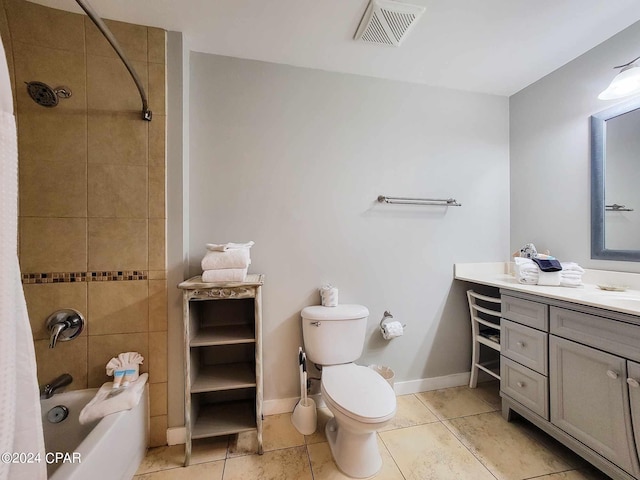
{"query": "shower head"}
(44, 95)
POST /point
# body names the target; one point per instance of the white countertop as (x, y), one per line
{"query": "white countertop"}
(497, 275)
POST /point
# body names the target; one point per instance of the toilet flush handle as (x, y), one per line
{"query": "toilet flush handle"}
(315, 324)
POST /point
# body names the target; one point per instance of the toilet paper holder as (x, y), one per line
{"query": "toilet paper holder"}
(387, 318)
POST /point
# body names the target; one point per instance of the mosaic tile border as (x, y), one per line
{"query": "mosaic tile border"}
(74, 277)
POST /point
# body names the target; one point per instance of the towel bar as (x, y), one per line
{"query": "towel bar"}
(617, 208)
(447, 202)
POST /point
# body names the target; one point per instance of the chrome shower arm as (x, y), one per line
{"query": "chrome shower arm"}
(84, 4)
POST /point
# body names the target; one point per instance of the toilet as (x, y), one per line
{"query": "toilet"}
(359, 398)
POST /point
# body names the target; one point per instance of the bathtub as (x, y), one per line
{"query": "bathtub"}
(107, 449)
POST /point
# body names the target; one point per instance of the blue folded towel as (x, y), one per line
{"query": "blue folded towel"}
(548, 265)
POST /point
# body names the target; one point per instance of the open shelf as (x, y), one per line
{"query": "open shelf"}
(222, 359)
(225, 419)
(226, 376)
(490, 339)
(224, 335)
(492, 367)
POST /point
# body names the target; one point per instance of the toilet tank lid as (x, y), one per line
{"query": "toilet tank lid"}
(340, 312)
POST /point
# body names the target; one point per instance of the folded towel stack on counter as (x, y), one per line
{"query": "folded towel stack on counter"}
(528, 273)
(226, 262)
(571, 275)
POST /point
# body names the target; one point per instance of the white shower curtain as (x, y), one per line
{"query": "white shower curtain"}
(20, 417)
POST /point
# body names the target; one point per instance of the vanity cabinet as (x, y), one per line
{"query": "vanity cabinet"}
(590, 400)
(523, 353)
(222, 358)
(574, 371)
(633, 370)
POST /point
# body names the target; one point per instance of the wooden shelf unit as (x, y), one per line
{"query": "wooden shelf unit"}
(222, 358)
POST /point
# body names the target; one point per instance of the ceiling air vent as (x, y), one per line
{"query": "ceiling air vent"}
(387, 22)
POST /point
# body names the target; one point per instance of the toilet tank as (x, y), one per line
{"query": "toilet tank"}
(334, 335)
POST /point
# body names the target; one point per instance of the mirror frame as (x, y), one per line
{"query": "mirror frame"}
(598, 149)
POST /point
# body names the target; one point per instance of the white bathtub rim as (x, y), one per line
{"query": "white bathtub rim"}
(97, 438)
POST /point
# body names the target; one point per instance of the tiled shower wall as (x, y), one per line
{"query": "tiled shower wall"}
(92, 193)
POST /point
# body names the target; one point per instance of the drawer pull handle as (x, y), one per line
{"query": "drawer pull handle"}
(612, 374)
(520, 384)
(633, 382)
(521, 344)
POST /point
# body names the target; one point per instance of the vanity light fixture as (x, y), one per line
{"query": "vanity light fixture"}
(625, 83)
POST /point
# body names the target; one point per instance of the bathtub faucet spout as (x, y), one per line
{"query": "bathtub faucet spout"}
(48, 390)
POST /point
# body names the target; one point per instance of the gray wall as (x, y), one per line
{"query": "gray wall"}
(549, 150)
(294, 159)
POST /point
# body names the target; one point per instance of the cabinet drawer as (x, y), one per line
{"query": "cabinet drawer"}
(525, 386)
(526, 312)
(525, 345)
(612, 336)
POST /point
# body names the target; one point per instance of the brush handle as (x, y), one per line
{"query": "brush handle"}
(304, 390)
(301, 369)
(304, 376)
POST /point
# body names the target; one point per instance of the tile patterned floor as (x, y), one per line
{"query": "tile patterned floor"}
(450, 434)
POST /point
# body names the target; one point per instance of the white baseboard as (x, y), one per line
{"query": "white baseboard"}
(434, 383)
(281, 405)
(177, 435)
(286, 405)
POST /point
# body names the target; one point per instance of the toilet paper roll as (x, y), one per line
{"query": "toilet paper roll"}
(329, 296)
(392, 330)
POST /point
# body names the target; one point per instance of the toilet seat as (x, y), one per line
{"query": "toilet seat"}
(358, 392)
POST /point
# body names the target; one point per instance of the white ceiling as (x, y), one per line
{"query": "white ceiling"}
(491, 46)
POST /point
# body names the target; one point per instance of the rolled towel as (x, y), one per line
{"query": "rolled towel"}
(105, 402)
(223, 247)
(224, 275)
(112, 366)
(235, 258)
(130, 358)
(124, 360)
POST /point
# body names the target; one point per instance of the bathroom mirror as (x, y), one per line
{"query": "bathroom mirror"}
(615, 183)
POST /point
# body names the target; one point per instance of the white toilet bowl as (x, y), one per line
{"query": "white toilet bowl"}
(361, 402)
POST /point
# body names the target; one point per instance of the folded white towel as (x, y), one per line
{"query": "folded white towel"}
(102, 404)
(528, 280)
(551, 279)
(524, 266)
(571, 274)
(223, 247)
(224, 275)
(528, 273)
(570, 282)
(571, 267)
(236, 258)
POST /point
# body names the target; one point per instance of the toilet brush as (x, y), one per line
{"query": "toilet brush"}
(301, 368)
(304, 416)
(304, 379)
